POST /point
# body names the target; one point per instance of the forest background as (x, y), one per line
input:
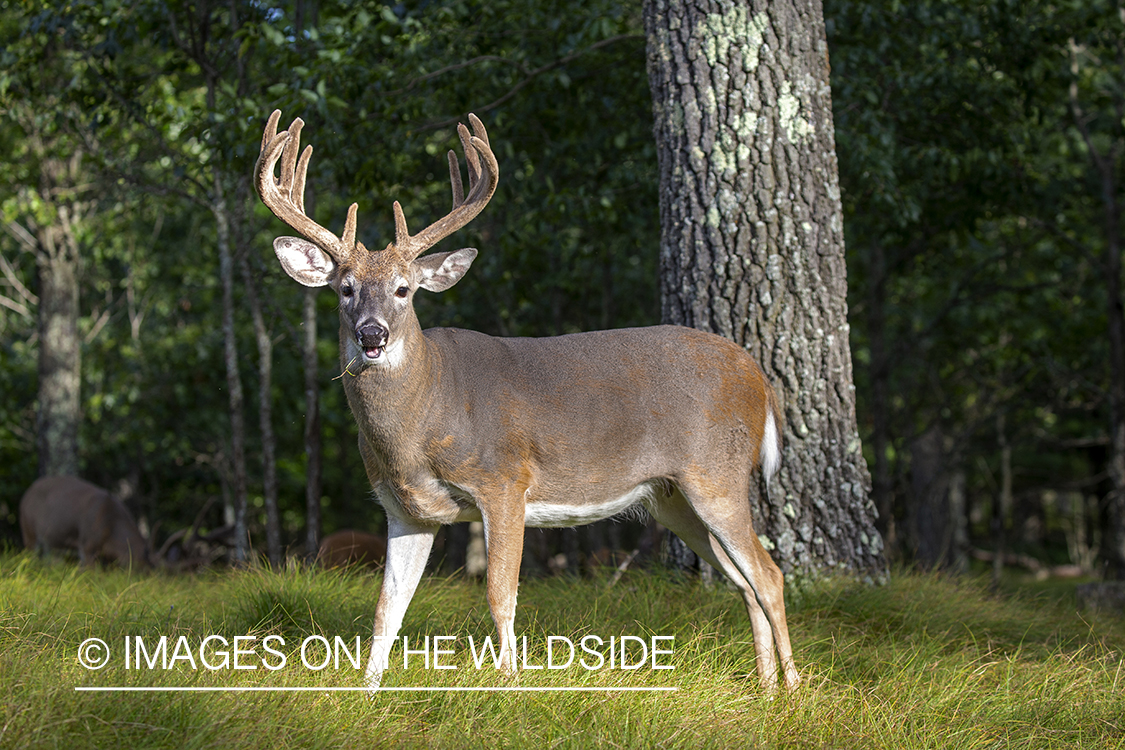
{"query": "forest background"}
(982, 156)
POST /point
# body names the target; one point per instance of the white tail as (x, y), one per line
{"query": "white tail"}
(769, 453)
(458, 426)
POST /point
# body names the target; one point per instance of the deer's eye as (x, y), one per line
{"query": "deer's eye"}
(346, 290)
(402, 292)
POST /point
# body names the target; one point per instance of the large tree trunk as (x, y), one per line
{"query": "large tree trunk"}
(752, 247)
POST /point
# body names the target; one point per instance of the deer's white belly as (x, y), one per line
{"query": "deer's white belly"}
(557, 515)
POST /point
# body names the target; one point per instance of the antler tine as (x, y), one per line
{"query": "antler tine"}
(484, 185)
(472, 161)
(298, 191)
(402, 236)
(289, 159)
(478, 129)
(484, 173)
(348, 239)
(270, 131)
(455, 179)
(286, 197)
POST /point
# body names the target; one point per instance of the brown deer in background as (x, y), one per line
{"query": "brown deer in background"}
(71, 514)
(345, 548)
(459, 426)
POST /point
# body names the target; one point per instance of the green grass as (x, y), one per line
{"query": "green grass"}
(922, 662)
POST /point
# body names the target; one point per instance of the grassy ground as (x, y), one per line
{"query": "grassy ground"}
(922, 662)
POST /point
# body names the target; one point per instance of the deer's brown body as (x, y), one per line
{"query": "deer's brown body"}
(67, 513)
(347, 547)
(546, 412)
(457, 426)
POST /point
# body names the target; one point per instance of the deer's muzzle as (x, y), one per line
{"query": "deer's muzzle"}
(372, 338)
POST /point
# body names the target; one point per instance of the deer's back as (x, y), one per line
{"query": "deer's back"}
(603, 410)
(637, 372)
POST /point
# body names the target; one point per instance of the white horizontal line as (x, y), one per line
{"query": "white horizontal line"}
(377, 690)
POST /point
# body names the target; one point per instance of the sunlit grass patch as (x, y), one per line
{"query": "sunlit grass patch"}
(925, 661)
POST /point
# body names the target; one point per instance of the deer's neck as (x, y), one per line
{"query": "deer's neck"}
(390, 403)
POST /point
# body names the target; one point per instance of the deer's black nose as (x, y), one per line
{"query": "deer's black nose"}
(371, 335)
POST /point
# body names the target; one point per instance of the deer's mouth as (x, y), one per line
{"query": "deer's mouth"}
(373, 352)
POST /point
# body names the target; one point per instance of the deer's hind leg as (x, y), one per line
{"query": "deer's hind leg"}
(723, 535)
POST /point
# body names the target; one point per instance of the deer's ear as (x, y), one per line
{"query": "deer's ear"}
(439, 271)
(304, 261)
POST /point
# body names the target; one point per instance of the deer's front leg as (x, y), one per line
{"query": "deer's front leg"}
(503, 538)
(408, 549)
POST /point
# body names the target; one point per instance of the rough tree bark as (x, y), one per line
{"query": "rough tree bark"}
(752, 247)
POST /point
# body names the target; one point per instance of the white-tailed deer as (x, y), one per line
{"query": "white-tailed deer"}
(345, 548)
(72, 514)
(459, 426)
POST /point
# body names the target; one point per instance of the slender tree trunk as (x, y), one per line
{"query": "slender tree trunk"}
(312, 413)
(958, 523)
(1002, 508)
(1116, 400)
(60, 349)
(928, 511)
(1116, 319)
(752, 247)
(241, 552)
(312, 427)
(265, 416)
(880, 398)
(456, 544)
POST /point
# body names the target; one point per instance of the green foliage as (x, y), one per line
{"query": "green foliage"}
(973, 215)
(567, 241)
(973, 219)
(174, 97)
